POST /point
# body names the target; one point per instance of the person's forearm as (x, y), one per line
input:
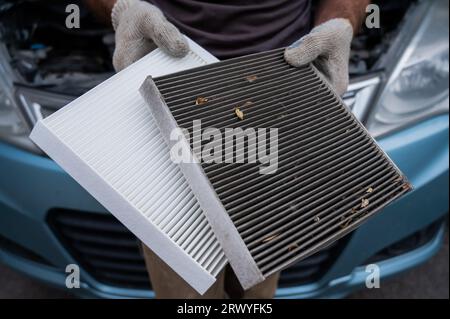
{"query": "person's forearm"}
(101, 9)
(353, 10)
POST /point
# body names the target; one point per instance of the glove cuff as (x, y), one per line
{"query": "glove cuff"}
(119, 8)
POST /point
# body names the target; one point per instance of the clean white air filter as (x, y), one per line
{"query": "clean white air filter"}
(108, 141)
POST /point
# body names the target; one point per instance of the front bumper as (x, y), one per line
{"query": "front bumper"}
(31, 185)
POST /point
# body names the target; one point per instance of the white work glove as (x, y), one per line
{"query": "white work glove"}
(139, 27)
(328, 47)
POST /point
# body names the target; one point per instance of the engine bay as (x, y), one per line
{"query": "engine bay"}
(48, 56)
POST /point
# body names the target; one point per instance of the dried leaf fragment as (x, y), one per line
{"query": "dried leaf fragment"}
(399, 179)
(251, 78)
(407, 186)
(344, 222)
(364, 202)
(292, 247)
(270, 238)
(239, 113)
(201, 100)
(247, 103)
(369, 190)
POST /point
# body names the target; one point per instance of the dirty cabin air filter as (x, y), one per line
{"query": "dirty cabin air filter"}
(108, 141)
(331, 176)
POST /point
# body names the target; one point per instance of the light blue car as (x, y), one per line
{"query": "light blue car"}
(399, 90)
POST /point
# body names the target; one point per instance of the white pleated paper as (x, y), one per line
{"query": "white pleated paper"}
(108, 141)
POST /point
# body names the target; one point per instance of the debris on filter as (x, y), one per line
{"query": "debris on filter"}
(342, 220)
(201, 100)
(251, 78)
(407, 186)
(364, 203)
(247, 103)
(292, 247)
(317, 219)
(399, 179)
(346, 223)
(270, 238)
(369, 190)
(239, 113)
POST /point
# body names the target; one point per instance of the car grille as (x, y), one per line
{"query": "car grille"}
(101, 245)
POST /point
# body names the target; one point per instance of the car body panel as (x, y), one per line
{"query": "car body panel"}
(33, 184)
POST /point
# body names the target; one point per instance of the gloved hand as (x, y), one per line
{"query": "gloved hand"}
(139, 27)
(328, 47)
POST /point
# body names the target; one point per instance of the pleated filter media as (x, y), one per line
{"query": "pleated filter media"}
(330, 177)
(108, 141)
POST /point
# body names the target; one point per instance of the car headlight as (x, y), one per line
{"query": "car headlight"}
(418, 87)
(11, 123)
(14, 129)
